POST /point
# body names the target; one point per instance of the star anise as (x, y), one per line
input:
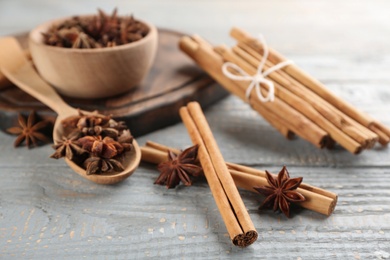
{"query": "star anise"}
(178, 168)
(281, 191)
(120, 126)
(94, 165)
(100, 130)
(67, 147)
(30, 131)
(91, 124)
(103, 147)
(126, 140)
(85, 120)
(94, 141)
(90, 121)
(96, 31)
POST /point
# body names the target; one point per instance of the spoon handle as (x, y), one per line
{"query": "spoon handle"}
(15, 66)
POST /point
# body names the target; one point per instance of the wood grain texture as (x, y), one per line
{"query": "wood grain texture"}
(46, 211)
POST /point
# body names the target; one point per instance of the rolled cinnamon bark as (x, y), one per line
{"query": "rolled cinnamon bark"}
(293, 120)
(295, 101)
(317, 199)
(313, 84)
(350, 127)
(237, 220)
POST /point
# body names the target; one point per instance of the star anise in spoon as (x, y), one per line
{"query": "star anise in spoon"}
(178, 168)
(96, 165)
(103, 147)
(126, 140)
(68, 147)
(31, 130)
(281, 191)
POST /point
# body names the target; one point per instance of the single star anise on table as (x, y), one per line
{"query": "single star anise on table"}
(281, 191)
(178, 168)
(31, 130)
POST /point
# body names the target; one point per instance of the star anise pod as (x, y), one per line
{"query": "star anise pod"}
(30, 131)
(96, 31)
(90, 121)
(68, 147)
(82, 120)
(126, 140)
(102, 147)
(281, 191)
(91, 124)
(94, 165)
(178, 168)
(120, 126)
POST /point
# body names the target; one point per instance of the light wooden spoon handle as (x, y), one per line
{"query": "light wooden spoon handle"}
(15, 66)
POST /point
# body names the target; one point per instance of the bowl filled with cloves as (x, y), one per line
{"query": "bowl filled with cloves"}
(94, 56)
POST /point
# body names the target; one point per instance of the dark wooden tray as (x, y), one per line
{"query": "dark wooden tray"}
(173, 81)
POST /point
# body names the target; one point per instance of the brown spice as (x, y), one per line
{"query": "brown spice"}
(31, 131)
(95, 164)
(126, 140)
(317, 199)
(237, 220)
(95, 142)
(97, 31)
(68, 147)
(179, 168)
(281, 191)
(103, 147)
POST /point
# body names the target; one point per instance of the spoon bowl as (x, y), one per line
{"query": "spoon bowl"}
(15, 66)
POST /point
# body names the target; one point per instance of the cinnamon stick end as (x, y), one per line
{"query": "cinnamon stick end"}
(383, 138)
(244, 240)
(188, 45)
(332, 206)
(325, 141)
(290, 135)
(358, 150)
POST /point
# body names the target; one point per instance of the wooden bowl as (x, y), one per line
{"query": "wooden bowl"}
(93, 73)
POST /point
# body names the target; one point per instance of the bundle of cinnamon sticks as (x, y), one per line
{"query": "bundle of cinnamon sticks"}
(302, 105)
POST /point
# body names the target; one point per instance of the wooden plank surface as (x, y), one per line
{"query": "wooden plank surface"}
(46, 211)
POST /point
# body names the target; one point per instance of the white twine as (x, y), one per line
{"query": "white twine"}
(257, 78)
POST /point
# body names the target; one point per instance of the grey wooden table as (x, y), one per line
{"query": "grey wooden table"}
(47, 211)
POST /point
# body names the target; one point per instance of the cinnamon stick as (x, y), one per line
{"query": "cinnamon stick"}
(317, 199)
(211, 62)
(294, 71)
(350, 127)
(240, 227)
(300, 103)
(191, 46)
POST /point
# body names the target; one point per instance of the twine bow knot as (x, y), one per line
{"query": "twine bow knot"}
(258, 78)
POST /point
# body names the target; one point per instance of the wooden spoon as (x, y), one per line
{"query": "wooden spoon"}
(20, 71)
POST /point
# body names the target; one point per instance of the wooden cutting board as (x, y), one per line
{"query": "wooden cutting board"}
(173, 81)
